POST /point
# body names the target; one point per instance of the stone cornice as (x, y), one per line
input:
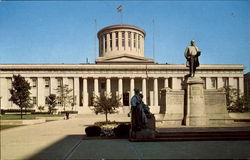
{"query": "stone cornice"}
(92, 67)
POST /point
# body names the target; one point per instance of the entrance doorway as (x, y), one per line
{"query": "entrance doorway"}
(126, 99)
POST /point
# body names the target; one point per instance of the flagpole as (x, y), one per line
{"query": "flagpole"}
(119, 10)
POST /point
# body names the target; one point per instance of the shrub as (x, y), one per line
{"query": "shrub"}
(122, 130)
(41, 113)
(70, 112)
(92, 131)
(3, 111)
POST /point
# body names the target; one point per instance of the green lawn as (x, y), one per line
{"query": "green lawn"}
(2, 127)
(27, 116)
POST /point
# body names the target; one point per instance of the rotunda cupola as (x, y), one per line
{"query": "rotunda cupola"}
(121, 43)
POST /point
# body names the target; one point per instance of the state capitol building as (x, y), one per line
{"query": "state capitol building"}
(120, 67)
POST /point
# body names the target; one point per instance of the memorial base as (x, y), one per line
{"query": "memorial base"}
(196, 108)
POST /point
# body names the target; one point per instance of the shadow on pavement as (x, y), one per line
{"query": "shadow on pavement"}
(59, 150)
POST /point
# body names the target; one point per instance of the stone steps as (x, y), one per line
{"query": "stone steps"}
(198, 136)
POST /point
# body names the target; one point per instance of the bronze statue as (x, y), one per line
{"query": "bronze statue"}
(192, 53)
(140, 112)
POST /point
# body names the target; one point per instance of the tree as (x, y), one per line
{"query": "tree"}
(51, 101)
(105, 104)
(20, 94)
(65, 97)
(235, 101)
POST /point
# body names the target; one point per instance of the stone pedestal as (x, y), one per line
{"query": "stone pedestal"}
(196, 108)
(148, 133)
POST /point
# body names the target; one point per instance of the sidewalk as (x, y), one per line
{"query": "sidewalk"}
(63, 140)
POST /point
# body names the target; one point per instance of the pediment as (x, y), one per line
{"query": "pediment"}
(124, 59)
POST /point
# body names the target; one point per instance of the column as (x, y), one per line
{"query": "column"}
(65, 81)
(208, 83)
(85, 92)
(120, 89)
(231, 82)
(119, 41)
(76, 90)
(241, 85)
(132, 87)
(53, 85)
(108, 87)
(103, 45)
(3, 92)
(114, 48)
(155, 92)
(136, 40)
(220, 82)
(126, 40)
(166, 83)
(174, 83)
(144, 90)
(108, 43)
(142, 46)
(40, 92)
(96, 87)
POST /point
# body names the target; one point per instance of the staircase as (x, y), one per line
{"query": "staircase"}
(210, 135)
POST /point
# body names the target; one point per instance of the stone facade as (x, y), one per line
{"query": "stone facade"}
(120, 68)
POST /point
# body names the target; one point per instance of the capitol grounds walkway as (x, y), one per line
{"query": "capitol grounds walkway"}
(63, 140)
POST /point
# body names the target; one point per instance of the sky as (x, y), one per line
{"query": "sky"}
(55, 32)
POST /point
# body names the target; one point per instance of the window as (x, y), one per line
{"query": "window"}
(110, 40)
(214, 82)
(34, 99)
(116, 39)
(46, 102)
(59, 102)
(123, 39)
(59, 82)
(134, 40)
(47, 82)
(204, 82)
(105, 42)
(103, 85)
(129, 39)
(225, 81)
(139, 38)
(34, 82)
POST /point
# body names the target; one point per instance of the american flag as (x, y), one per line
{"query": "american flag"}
(119, 8)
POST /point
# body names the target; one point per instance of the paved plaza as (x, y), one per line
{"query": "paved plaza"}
(63, 140)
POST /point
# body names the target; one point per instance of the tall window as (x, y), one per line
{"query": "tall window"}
(59, 82)
(110, 40)
(123, 39)
(204, 82)
(105, 42)
(47, 82)
(34, 82)
(225, 81)
(129, 39)
(116, 39)
(34, 99)
(134, 40)
(139, 39)
(214, 82)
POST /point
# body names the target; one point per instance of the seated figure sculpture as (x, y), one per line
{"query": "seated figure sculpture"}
(140, 117)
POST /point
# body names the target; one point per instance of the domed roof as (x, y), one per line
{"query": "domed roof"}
(121, 26)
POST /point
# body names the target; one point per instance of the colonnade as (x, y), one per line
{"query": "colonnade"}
(41, 91)
(113, 42)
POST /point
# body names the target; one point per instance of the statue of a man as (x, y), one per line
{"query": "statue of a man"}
(135, 111)
(192, 53)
